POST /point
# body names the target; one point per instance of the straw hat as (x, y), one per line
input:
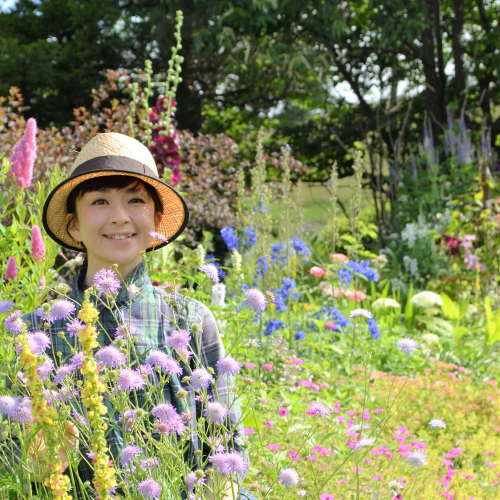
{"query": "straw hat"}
(114, 154)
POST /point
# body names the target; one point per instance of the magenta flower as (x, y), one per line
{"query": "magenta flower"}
(267, 367)
(215, 412)
(228, 366)
(11, 271)
(211, 271)
(273, 447)
(24, 155)
(37, 244)
(283, 411)
(318, 409)
(255, 300)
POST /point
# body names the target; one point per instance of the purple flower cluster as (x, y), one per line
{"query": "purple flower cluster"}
(227, 463)
(110, 356)
(168, 420)
(230, 238)
(5, 305)
(15, 409)
(14, 323)
(38, 342)
(74, 326)
(129, 380)
(128, 454)
(106, 282)
(159, 358)
(228, 366)
(200, 379)
(255, 300)
(61, 309)
(149, 489)
(211, 271)
(215, 412)
(178, 339)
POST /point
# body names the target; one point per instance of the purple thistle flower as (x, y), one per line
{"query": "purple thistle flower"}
(24, 414)
(227, 463)
(110, 356)
(38, 342)
(165, 412)
(106, 281)
(129, 380)
(178, 339)
(159, 358)
(149, 489)
(74, 327)
(11, 270)
(77, 360)
(124, 331)
(128, 453)
(165, 428)
(192, 480)
(14, 323)
(24, 155)
(215, 412)
(148, 463)
(9, 405)
(61, 309)
(200, 379)
(5, 305)
(42, 314)
(228, 366)
(289, 477)
(211, 271)
(255, 300)
(158, 236)
(407, 345)
(44, 370)
(145, 370)
(62, 372)
(318, 409)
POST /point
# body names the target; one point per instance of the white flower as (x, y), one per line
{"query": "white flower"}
(426, 300)
(358, 427)
(289, 477)
(417, 458)
(302, 493)
(411, 265)
(132, 291)
(407, 345)
(385, 304)
(219, 295)
(361, 312)
(435, 423)
(365, 442)
(430, 339)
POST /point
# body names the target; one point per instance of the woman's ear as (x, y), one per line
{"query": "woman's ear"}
(158, 218)
(72, 227)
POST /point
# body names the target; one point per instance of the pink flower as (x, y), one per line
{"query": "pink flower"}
(378, 410)
(336, 407)
(37, 245)
(468, 476)
(298, 361)
(317, 271)
(265, 401)
(248, 365)
(267, 367)
(248, 431)
(11, 271)
(356, 295)
(268, 423)
(273, 447)
(282, 411)
(326, 496)
(489, 464)
(318, 447)
(24, 155)
(339, 257)
(351, 413)
(489, 452)
(312, 456)
(330, 326)
(294, 456)
(377, 478)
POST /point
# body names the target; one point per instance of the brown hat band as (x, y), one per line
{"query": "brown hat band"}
(111, 163)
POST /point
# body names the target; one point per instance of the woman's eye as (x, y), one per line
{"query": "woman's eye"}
(100, 201)
(137, 200)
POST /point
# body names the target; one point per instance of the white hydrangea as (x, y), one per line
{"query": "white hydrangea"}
(426, 300)
(430, 339)
(385, 303)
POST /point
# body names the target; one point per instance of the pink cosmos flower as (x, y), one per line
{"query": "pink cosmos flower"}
(489, 452)
(377, 478)
(24, 155)
(326, 496)
(265, 401)
(378, 410)
(317, 271)
(267, 367)
(248, 365)
(468, 476)
(298, 361)
(283, 411)
(318, 447)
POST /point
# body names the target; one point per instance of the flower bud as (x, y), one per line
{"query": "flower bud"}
(114, 267)
(196, 328)
(197, 453)
(46, 308)
(140, 413)
(185, 380)
(210, 370)
(181, 394)
(175, 274)
(62, 288)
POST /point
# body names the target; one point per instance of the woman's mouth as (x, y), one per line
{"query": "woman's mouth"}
(119, 236)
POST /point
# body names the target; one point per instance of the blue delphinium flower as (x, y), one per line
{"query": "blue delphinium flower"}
(363, 267)
(230, 238)
(280, 303)
(261, 268)
(250, 238)
(341, 320)
(211, 258)
(300, 336)
(272, 325)
(300, 248)
(261, 206)
(373, 328)
(278, 255)
(345, 275)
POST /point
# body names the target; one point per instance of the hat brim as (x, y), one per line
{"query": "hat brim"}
(174, 219)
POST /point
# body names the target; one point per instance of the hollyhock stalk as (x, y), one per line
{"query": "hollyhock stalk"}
(47, 418)
(104, 473)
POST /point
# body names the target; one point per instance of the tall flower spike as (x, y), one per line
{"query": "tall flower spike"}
(37, 244)
(11, 271)
(24, 155)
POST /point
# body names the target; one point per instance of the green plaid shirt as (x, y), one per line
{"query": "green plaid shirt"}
(148, 312)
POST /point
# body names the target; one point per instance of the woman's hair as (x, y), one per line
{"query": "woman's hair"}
(102, 184)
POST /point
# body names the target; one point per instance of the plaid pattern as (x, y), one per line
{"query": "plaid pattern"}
(149, 315)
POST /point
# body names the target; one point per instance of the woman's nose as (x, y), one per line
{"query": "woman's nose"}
(119, 215)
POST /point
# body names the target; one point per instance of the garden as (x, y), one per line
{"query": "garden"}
(357, 303)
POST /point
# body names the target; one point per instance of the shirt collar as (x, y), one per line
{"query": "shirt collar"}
(139, 278)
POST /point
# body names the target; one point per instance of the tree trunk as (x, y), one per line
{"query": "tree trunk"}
(458, 51)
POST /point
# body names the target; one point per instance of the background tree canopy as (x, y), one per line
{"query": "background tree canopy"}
(251, 64)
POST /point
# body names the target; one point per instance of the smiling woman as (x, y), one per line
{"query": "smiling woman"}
(112, 217)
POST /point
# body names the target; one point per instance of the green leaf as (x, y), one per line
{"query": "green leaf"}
(449, 308)
(440, 327)
(493, 331)
(409, 308)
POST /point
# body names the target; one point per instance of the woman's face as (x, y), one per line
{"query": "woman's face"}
(114, 225)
